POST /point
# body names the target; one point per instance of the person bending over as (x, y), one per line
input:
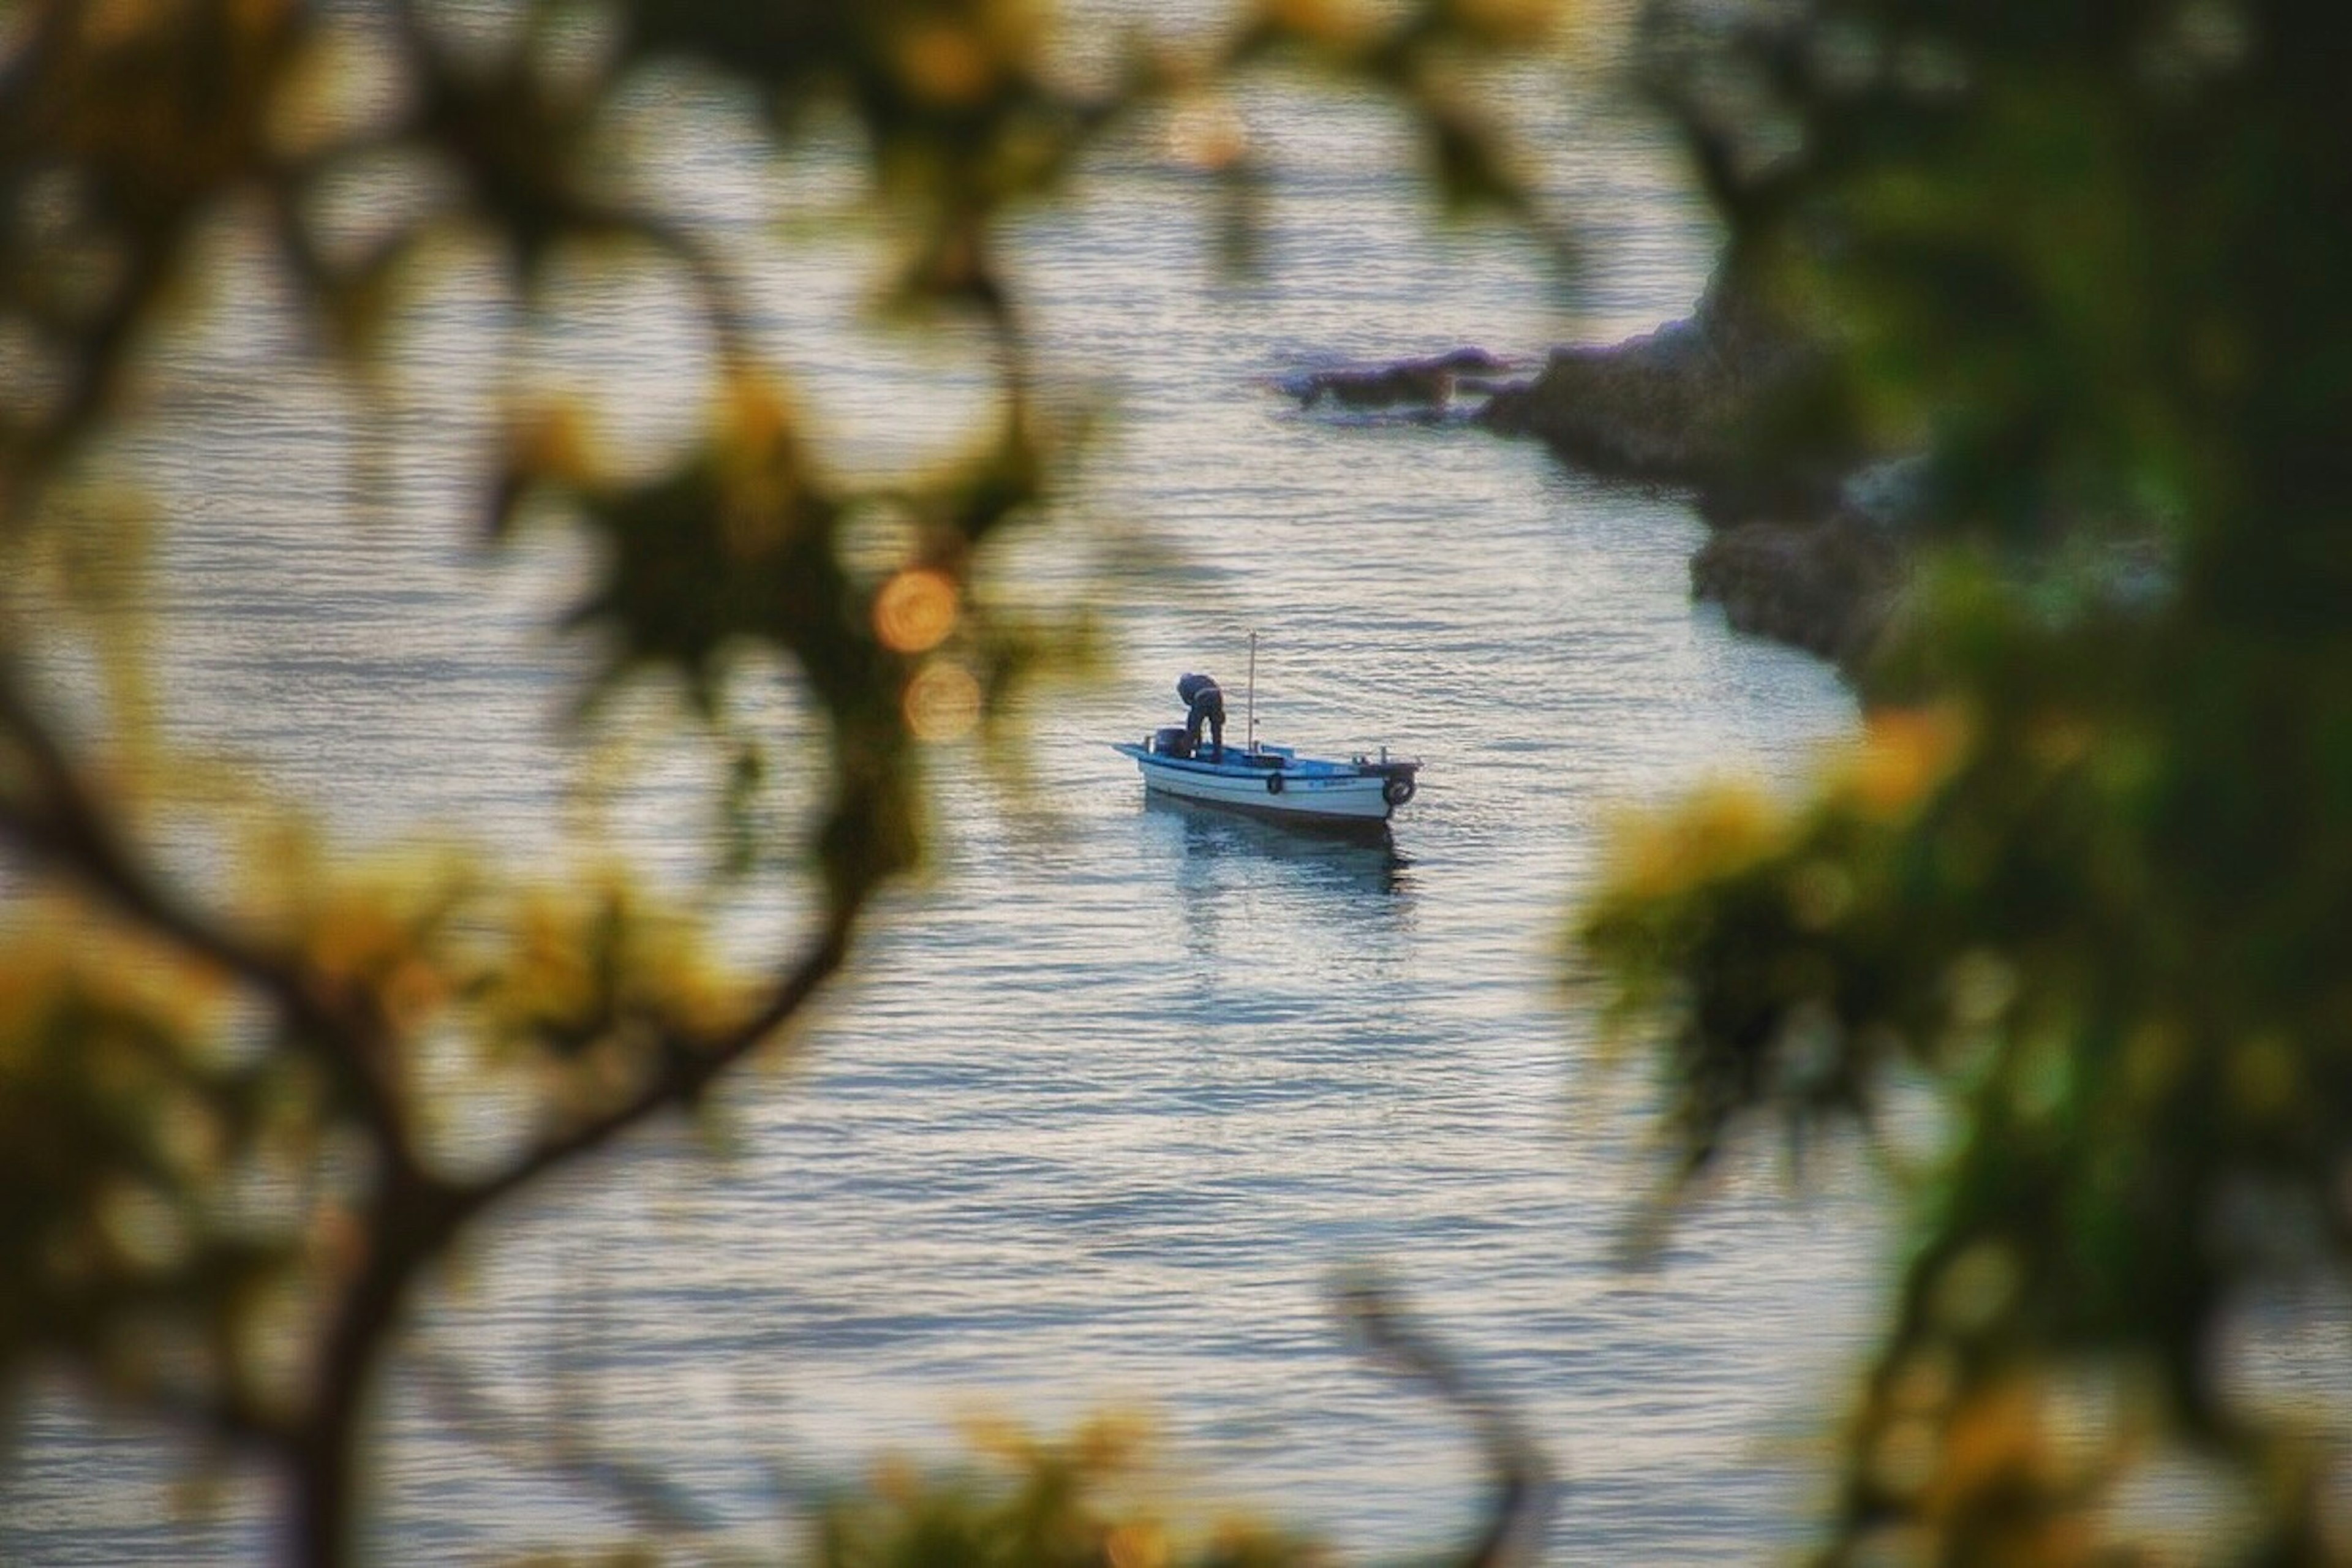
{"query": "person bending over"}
(1207, 706)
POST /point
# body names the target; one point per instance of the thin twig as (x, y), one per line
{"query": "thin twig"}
(659, 1504)
(690, 1066)
(1524, 1484)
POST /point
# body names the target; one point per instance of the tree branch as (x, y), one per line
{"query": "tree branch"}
(68, 827)
(688, 1068)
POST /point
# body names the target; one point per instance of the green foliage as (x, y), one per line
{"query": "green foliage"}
(2074, 915)
(120, 1130)
(1072, 1504)
(2067, 932)
(225, 1105)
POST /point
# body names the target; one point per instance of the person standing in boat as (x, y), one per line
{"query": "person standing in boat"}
(1207, 706)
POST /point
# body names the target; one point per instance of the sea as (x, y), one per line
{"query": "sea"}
(1117, 1095)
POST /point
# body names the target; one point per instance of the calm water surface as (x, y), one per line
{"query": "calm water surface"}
(1115, 1090)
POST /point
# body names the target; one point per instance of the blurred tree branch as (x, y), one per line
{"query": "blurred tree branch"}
(135, 1096)
(2064, 935)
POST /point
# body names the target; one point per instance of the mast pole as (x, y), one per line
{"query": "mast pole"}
(1253, 694)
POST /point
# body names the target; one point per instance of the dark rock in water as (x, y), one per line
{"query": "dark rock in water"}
(1678, 404)
(1807, 544)
(1486, 386)
(1807, 547)
(1826, 586)
(1419, 383)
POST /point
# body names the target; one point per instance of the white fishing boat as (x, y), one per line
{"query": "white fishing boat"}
(1275, 781)
(1362, 793)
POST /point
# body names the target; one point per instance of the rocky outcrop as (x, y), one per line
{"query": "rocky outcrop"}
(1684, 404)
(1806, 545)
(1826, 586)
(1418, 383)
(1656, 406)
(1715, 403)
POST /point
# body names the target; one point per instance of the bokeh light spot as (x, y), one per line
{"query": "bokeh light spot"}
(915, 611)
(942, 702)
(945, 63)
(1206, 135)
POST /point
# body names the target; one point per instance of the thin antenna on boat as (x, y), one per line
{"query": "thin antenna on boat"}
(1253, 695)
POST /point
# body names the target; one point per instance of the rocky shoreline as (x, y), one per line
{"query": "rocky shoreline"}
(1806, 550)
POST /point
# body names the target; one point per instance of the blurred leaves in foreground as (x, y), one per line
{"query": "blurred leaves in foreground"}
(2069, 937)
(256, 1088)
(1072, 1504)
(1086, 1499)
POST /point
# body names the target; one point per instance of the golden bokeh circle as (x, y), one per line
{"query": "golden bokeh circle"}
(942, 702)
(916, 610)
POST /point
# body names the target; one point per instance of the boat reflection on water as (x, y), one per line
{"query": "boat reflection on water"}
(1353, 862)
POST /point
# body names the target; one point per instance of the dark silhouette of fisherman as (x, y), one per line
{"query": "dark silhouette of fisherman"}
(1207, 705)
